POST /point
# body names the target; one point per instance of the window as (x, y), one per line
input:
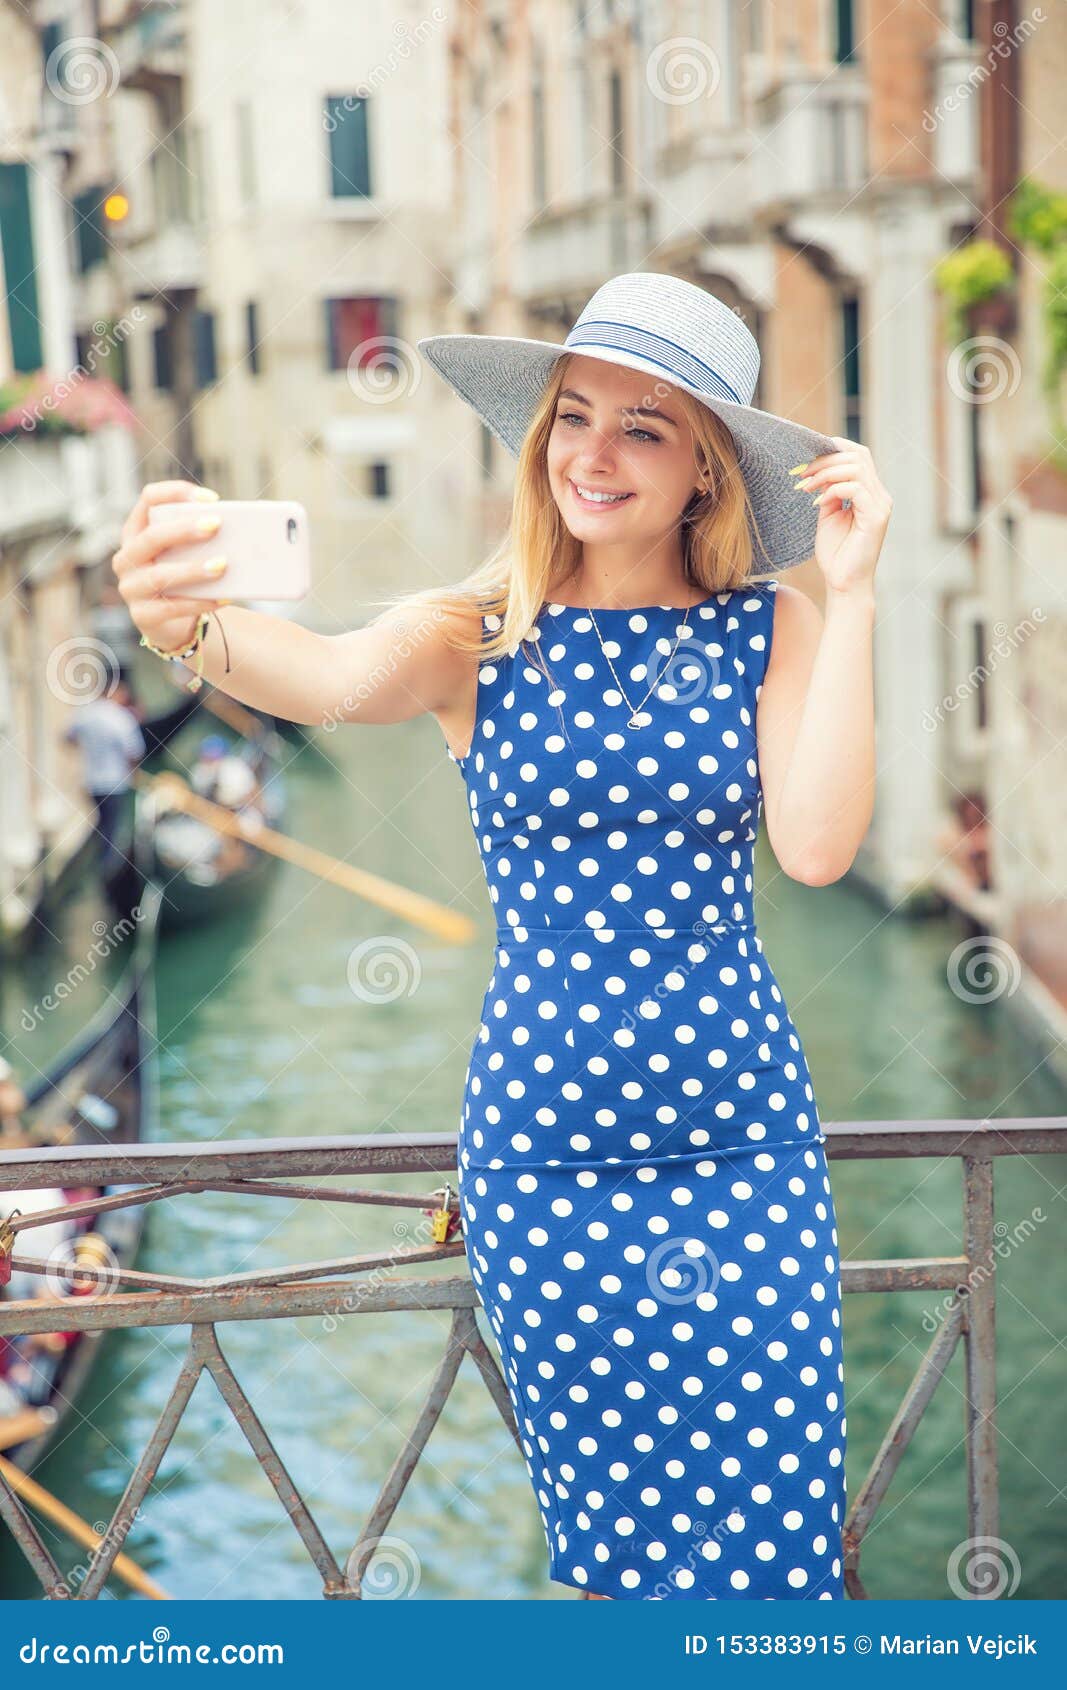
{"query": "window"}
(615, 131)
(358, 325)
(163, 358)
(51, 36)
(345, 118)
(204, 348)
(850, 369)
(20, 267)
(378, 480)
(967, 670)
(89, 234)
(845, 44)
(252, 337)
(980, 658)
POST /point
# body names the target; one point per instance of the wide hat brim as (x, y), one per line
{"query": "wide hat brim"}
(502, 377)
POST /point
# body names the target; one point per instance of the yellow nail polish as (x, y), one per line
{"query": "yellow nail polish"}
(209, 525)
(797, 469)
(205, 493)
(215, 566)
(802, 486)
(819, 500)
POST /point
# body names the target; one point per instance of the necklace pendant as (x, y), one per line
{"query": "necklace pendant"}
(633, 722)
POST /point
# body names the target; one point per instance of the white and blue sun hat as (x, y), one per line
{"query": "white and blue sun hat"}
(671, 329)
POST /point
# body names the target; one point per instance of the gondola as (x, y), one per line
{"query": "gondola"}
(177, 852)
(102, 1090)
(160, 729)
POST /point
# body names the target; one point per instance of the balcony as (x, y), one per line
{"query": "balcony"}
(149, 45)
(571, 250)
(703, 184)
(810, 139)
(953, 117)
(168, 260)
(80, 485)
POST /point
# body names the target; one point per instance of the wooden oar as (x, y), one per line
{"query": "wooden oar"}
(27, 1423)
(424, 912)
(73, 1524)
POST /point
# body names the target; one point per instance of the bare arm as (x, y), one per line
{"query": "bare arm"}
(401, 665)
(815, 728)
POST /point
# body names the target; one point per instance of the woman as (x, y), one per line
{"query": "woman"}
(643, 1180)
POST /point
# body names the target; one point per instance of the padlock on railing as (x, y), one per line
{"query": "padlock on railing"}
(7, 1246)
(445, 1220)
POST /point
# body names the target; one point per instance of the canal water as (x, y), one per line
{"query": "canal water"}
(275, 1022)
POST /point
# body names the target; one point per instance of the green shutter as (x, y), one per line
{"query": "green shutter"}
(346, 124)
(845, 48)
(89, 232)
(162, 357)
(204, 342)
(20, 269)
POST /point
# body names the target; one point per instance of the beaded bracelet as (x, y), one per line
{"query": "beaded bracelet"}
(194, 648)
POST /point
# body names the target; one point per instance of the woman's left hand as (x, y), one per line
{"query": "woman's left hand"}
(847, 542)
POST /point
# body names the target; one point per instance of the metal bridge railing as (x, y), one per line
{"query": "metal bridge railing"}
(372, 1284)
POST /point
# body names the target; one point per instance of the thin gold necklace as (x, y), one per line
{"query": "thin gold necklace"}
(634, 708)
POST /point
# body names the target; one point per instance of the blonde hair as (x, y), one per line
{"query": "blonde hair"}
(538, 553)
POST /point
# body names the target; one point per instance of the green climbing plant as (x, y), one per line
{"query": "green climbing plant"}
(980, 269)
(1037, 217)
(1055, 315)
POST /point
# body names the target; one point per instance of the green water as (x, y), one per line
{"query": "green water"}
(261, 1035)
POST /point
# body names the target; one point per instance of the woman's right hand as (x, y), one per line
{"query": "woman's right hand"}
(152, 587)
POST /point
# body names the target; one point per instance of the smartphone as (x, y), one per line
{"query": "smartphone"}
(265, 542)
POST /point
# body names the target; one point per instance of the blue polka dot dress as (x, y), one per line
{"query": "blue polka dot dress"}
(642, 1174)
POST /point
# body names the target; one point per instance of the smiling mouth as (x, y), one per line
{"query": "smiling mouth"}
(597, 500)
